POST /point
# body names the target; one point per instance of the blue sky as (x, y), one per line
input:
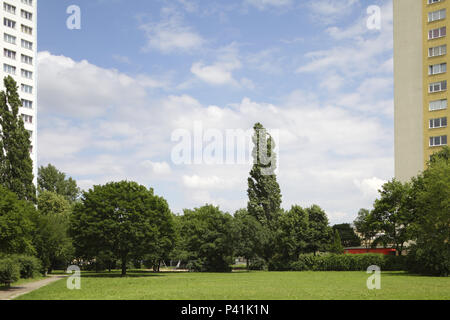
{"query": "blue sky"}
(112, 94)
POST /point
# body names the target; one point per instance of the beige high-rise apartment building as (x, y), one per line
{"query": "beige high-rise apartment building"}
(18, 59)
(421, 83)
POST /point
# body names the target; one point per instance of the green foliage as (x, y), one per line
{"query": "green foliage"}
(208, 237)
(264, 195)
(320, 233)
(258, 265)
(29, 266)
(431, 227)
(16, 224)
(336, 246)
(347, 262)
(52, 241)
(123, 218)
(347, 234)
(292, 237)
(365, 225)
(252, 237)
(52, 180)
(392, 214)
(16, 165)
(9, 271)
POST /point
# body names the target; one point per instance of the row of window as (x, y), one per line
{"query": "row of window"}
(12, 10)
(12, 24)
(12, 40)
(12, 55)
(12, 71)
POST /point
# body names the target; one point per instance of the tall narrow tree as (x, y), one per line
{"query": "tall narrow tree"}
(264, 195)
(16, 165)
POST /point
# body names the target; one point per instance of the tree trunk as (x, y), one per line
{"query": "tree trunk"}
(248, 264)
(124, 266)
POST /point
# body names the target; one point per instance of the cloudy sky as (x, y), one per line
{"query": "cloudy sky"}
(112, 95)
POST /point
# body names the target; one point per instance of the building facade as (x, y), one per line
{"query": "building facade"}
(19, 59)
(421, 83)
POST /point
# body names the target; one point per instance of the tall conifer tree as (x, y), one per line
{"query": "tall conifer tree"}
(263, 189)
(16, 165)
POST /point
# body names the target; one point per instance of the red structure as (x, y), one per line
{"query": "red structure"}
(385, 251)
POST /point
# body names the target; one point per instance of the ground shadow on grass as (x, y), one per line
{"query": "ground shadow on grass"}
(118, 274)
(406, 274)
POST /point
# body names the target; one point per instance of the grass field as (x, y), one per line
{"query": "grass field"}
(141, 285)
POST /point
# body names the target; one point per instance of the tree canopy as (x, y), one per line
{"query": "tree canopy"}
(123, 218)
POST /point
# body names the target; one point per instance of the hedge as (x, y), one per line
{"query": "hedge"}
(347, 262)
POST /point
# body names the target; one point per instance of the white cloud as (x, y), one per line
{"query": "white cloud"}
(370, 186)
(323, 151)
(213, 74)
(329, 11)
(263, 4)
(171, 34)
(160, 168)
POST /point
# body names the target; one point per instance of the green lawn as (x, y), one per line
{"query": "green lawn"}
(245, 286)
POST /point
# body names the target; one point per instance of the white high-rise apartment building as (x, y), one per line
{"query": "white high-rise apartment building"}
(18, 59)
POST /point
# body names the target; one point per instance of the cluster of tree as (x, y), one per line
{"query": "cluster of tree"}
(414, 217)
(31, 224)
(126, 222)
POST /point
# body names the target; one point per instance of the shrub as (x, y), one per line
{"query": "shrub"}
(357, 262)
(9, 271)
(29, 267)
(257, 265)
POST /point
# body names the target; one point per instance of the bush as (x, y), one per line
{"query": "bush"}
(348, 262)
(9, 271)
(257, 265)
(29, 267)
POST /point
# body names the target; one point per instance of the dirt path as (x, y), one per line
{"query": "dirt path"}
(15, 292)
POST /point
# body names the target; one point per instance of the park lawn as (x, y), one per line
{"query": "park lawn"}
(141, 285)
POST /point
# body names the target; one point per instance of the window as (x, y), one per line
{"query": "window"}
(27, 119)
(437, 33)
(28, 2)
(27, 74)
(27, 59)
(429, 1)
(438, 86)
(9, 54)
(9, 8)
(26, 14)
(436, 15)
(438, 105)
(438, 141)
(27, 30)
(27, 44)
(9, 38)
(438, 123)
(437, 69)
(9, 69)
(437, 51)
(9, 23)
(27, 104)
(27, 89)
